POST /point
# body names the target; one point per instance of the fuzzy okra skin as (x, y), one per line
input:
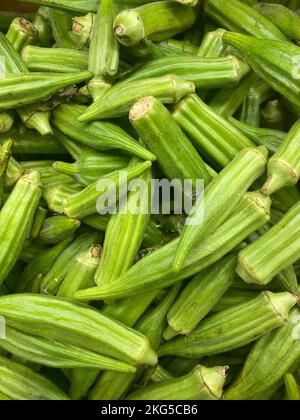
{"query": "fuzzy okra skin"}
(176, 156)
(234, 327)
(274, 61)
(98, 135)
(154, 271)
(261, 261)
(19, 382)
(199, 297)
(206, 73)
(210, 133)
(210, 212)
(201, 384)
(16, 218)
(271, 358)
(117, 101)
(240, 17)
(155, 21)
(284, 166)
(93, 198)
(76, 324)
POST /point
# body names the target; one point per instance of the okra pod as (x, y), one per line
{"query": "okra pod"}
(117, 101)
(176, 156)
(38, 221)
(234, 297)
(261, 261)
(273, 115)
(16, 218)
(240, 173)
(60, 22)
(233, 328)
(98, 135)
(5, 154)
(82, 29)
(56, 229)
(83, 6)
(155, 21)
(6, 121)
(292, 391)
(199, 297)
(43, 27)
(175, 47)
(212, 44)
(6, 17)
(154, 271)
(76, 324)
(55, 196)
(21, 32)
(14, 172)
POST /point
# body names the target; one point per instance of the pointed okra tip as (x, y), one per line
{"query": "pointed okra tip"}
(214, 379)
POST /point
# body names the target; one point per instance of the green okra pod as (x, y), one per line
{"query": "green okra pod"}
(201, 384)
(176, 156)
(261, 261)
(82, 29)
(239, 17)
(210, 212)
(250, 112)
(6, 17)
(212, 44)
(271, 358)
(234, 297)
(175, 47)
(5, 154)
(55, 195)
(98, 135)
(154, 272)
(206, 73)
(273, 115)
(284, 167)
(13, 173)
(21, 32)
(6, 121)
(16, 218)
(19, 382)
(292, 391)
(155, 21)
(60, 22)
(56, 229)
(199, 297)
(118, 100)
(156, 375)
(76, 324)
(39, 219)
(83, 6)
(210, 133)
(233, 328)
(43, 27)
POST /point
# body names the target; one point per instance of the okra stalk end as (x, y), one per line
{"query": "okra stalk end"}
(280, 175)
(282, 303)
(169, 333)
(214, 379)
(128, 28)
(40, 121)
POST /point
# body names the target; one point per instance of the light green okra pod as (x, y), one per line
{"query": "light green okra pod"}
(5, 154)
(21, 32)
(7, 120)
(292, 391)
(39, 219)
(57, 228)
(212, 44)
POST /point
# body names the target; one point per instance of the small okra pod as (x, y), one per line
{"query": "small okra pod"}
(55, 196)
(98, 135)
(206, 73)
(89, 201)
(288, 280)
(56, 229)
(273, 115)
(239, 17)
(30, 251)
(155, 21)
(5, 155)
(76, 324)
(261, 261)
(19, 382)
(7, 119)
(56, 60)
(201, 384)
(57, 272)
(21, 32)
(118, 100)
(60, 22)
(292, 391)
(212, 45)
(41, 22)
(16, 218)
(233, 328)
(68, 5)
(199, 297)
(104, 66)
(39, 219)
(211, 134)
(176, 156)
(284, 166)
(273, 355)
(239, 174)
(250, 112)
(154, 272)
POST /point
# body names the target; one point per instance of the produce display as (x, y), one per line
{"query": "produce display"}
(150, 200)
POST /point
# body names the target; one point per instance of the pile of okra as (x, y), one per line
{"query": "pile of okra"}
(200, 304)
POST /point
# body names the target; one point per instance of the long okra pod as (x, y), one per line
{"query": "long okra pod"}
(5, 154)
(233, 328)
(240, 173)
(83, 6)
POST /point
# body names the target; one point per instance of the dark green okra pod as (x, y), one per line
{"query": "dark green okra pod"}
(5, 154)
(21, 32)
(7, 119)
(273, 115)
(292, 391)
(16, 218)
(57, 228)
(82, 6)
(39, 219)
(60, 22)
(233, 328)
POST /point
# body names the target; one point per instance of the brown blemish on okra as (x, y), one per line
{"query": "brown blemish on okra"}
(141, 108)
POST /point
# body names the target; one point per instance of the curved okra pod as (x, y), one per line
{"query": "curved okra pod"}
(239, 17)
(118, 100)
(204, 72)
(270, 359)
(83, 6)
(292, 391)
(21, 32)
(155, 21)
(154, 272)
(212, 45)
(210, 212)
(104, 66)
(201, 384)
(56, 229)
(16, 218)
(284, 166)
(5, 154)
(98, 135)
(19, 382)
(261, 261)
(199, 297)
(176, 156)
(76, 324)
(233, 328)
(274, 61)
(210, 133)
(92, 199)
